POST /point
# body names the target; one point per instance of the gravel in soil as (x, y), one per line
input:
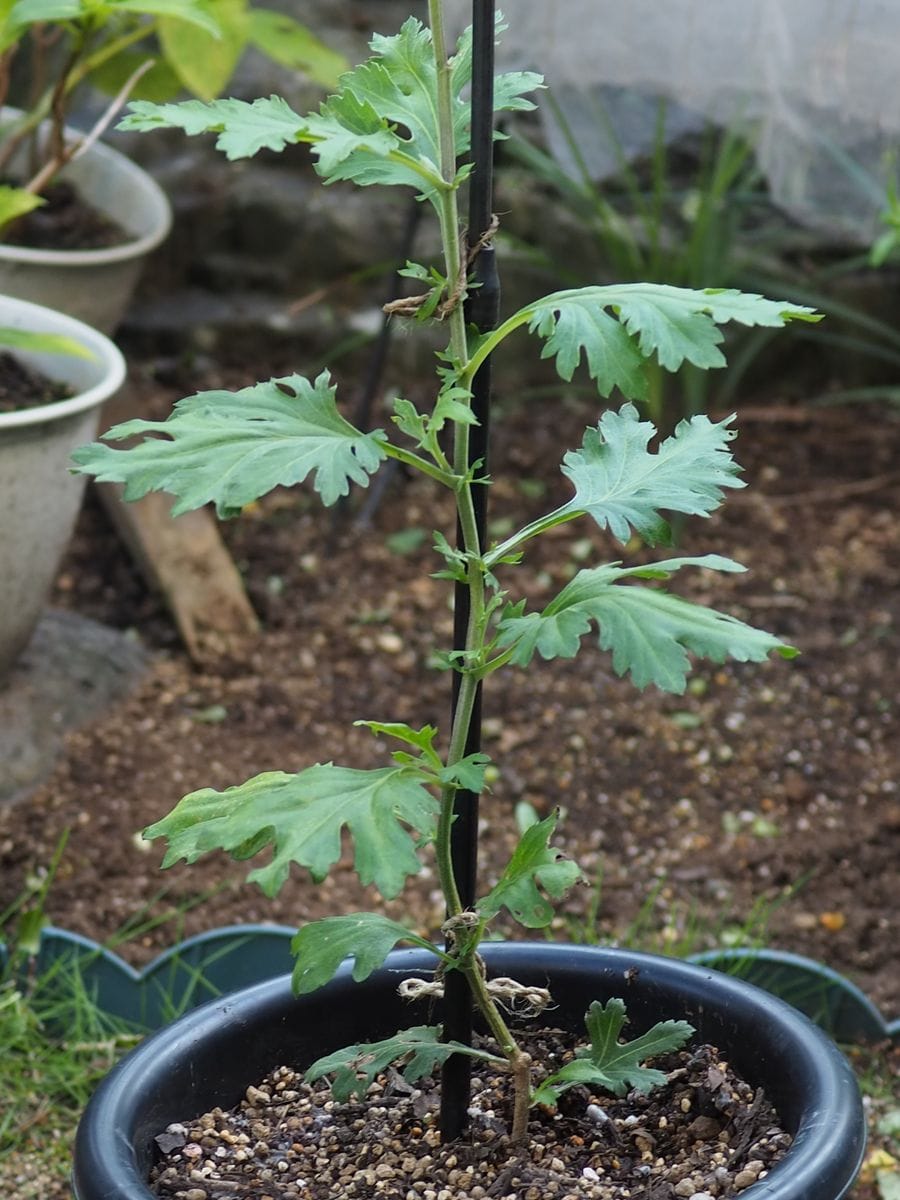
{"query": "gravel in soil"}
(703, 1134)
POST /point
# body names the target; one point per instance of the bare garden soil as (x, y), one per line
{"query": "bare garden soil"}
(764, 802)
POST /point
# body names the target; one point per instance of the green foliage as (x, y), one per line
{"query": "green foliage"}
(321, 946)
(380, 127)
(534, 873)
(610, 1064)
(648, 631)
(292, 45)
(49, 343)
(302, 817)
(623, 486)
(29, 12)
(232, 448)
(652, 220)
(400, 119)
(678, 325)
(191, 45)
(16, 202)
(355, 1068)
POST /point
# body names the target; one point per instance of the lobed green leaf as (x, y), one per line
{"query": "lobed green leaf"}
(355, 1068)
(302, 817)
(610, 1064)
(321, 946)
(380, 128)
(622, 485)
(534, 872)
(648, 631)
(230, 448)
(467, 772)
(244, 128)
(616, 327)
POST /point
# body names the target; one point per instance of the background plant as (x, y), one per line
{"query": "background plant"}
(400, 119)
(154, 48)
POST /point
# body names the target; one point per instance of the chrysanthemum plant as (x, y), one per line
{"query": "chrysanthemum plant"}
(400, 120)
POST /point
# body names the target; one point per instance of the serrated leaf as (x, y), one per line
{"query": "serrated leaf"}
(452, 404)
(321, 946)
(243, 128)
(648, 631)
(230, 448)
(422, 739)
(294, 46)
(351, 140)
(302, 817)
(399, 83)
(355, 1068)
(616, 327)
(534, 872)
(380, 128)
(623, 486)
(610, 1064)
(467, 773)
(409, 420)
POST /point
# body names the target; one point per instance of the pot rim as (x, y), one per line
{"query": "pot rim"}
(26, 315)
(135, 247)
(829, 1132)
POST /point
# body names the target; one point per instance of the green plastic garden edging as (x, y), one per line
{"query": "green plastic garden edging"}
(224, 960)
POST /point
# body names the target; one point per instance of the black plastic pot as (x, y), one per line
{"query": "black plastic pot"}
(210, 1056)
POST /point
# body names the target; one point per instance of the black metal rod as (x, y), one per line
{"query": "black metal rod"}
(482, 310)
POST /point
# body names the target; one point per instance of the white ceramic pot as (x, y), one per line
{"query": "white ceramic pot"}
(39, 497)
(93, 285)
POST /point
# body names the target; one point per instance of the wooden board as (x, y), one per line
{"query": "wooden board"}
(184, 558)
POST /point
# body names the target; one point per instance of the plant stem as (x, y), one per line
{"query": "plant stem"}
(519, 1061)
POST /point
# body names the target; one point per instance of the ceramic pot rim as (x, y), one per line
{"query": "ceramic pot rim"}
(135, 247)
(110, 363)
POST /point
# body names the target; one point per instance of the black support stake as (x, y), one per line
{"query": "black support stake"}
(482, 310)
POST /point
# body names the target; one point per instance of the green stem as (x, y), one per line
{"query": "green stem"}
(462, 718)
(559, 516)
(519, 1061)
(410, 459)
(491, 340)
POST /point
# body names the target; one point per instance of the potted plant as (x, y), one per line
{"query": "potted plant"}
(400, 119)
(156, 47)
(39, 498)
